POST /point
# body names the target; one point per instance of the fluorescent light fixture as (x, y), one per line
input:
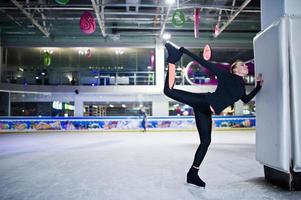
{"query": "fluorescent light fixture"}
(37, 77)
(48, 50)
(112, 106)
(21, 69)
(119, 52)
(170, 1)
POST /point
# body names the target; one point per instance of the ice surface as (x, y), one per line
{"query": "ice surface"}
(131, 166)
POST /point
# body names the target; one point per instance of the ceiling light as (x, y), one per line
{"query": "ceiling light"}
(170, 1)
(119, 52)
(166, 36)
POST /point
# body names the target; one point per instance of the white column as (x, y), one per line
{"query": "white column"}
(160, 107)
(160, 63)
(78, 106)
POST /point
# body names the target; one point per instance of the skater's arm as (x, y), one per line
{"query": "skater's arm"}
(246, 98)
(249, 97)
(209, 65)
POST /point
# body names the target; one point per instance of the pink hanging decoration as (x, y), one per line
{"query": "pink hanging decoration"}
(152, 59)
(207, 52)
(197, 14)
(87, 23)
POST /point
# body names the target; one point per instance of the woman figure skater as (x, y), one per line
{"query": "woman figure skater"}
(230, 89)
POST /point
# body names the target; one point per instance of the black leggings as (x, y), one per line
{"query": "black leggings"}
(202, 114)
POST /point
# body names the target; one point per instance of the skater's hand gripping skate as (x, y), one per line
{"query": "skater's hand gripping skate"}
(174, 55)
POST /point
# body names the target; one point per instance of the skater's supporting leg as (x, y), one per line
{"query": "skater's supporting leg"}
(204, 125)
(203, 122)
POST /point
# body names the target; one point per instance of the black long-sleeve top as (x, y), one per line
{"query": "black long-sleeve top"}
(230, 87)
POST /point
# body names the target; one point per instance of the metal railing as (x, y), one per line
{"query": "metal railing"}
(80, 78)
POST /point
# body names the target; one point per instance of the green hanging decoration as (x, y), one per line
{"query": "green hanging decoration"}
(178, 18)
(62, 2)
(47, 59)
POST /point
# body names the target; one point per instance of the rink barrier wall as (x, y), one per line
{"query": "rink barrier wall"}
(134, 123)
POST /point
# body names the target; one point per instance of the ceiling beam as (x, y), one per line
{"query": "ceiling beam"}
(81, 7)
(12, 18)
(232, 18)
(99, 18)
(233, 4)
(28, 15)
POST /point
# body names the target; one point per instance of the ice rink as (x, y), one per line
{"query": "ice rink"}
(130, 166)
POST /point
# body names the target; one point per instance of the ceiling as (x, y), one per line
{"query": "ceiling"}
(138, 23)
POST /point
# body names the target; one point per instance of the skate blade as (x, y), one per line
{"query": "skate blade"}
(194, 186)
(173, 44)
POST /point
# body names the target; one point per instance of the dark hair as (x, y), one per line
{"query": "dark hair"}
(233, 66)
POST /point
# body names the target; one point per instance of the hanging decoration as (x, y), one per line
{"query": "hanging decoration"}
(207, 52)
(152, 59)
(62, 2)
(47, 59)
(197, 14)
(178, 18)
(216, 29)
(87, 23)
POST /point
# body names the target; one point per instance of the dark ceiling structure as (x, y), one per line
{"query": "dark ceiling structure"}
(137, 23)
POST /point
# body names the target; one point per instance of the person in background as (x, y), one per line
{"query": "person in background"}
(144, 118)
